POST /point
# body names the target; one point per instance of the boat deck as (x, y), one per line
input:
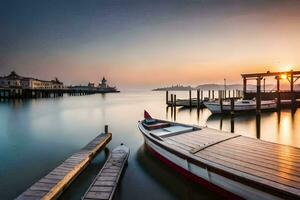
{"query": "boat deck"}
(105, 183)
(263, 164)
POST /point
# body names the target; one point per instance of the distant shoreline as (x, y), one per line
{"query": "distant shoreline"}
(269, 87)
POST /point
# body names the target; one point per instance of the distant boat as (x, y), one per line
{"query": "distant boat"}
(235, 166)
(239, 105)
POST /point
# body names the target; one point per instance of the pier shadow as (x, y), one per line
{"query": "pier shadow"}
(174, 183)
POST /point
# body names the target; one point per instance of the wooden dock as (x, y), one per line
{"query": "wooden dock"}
(198, 101)
(53, 184)
(105, 183)
(186, 103)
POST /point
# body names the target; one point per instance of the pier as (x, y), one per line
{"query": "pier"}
(53, 184)
(197, 102)
(105, 183)
(284, 98)
(19, 93)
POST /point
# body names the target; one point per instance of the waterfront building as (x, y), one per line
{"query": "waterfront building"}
(13, 80)
(102, 87)
(103, 83)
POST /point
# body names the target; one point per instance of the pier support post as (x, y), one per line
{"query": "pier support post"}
(106, 129)
(258, 96)
(213, 94)
(244, 85)
(221, 104)
(201, 95)
(198, 99)
(293, 99)
(278, 93)
(232, 107)
(167, 97)
(174, 106)
(209, 94)
(190, 97)
(172, 102)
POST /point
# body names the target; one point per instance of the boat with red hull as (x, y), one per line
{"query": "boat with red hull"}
(235, 166)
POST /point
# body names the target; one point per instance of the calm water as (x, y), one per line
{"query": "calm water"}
(37, 135)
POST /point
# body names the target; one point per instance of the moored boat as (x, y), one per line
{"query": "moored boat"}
(245, 167)
(239, 106)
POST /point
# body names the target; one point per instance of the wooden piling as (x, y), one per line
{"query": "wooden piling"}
(258, 96)
(209, 94)
(221, 105)
(175, 107)
(232, 115)
(106, 129)
(232, 107)
(213, 94)
(198, 99)
(201, 95)
(278, 93)
(172, 103)
(167, 97)
(190, 97)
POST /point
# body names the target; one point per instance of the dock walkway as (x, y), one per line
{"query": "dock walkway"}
(105, 183)
(53, 184)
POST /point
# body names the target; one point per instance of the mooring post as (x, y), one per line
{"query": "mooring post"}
(209, 94)
(293, 99)
(167, 97)
(174, 106)
(201, 95)
(232, 107)
(106, 129)
(190, 97)
(232, 115)
(258, 97)
(198, 99)
(221, 105)
(213, 94)
(278, 93)
(172, 102)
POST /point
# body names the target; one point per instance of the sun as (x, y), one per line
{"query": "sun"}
(283, 76)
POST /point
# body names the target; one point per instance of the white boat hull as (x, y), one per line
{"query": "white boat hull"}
(215, 107)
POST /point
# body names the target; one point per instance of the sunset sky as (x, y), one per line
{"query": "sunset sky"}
(148, 43)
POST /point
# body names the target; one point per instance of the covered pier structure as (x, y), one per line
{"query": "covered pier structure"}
(284, 97)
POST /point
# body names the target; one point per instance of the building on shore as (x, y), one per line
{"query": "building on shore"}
(13, 80)
(102, 87)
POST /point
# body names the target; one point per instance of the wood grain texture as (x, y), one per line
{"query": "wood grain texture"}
(54, 183)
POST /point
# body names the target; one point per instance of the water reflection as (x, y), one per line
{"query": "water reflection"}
(36, 135)
(170, 179)
(279, 127)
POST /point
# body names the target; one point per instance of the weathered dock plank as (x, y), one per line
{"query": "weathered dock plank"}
(105, 183)
(54, 183)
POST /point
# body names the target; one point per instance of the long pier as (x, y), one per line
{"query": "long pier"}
(20, 93)
(105, 183)
(52, 185)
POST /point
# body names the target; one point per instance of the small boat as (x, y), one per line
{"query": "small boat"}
(235, 166)
(239, 106)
